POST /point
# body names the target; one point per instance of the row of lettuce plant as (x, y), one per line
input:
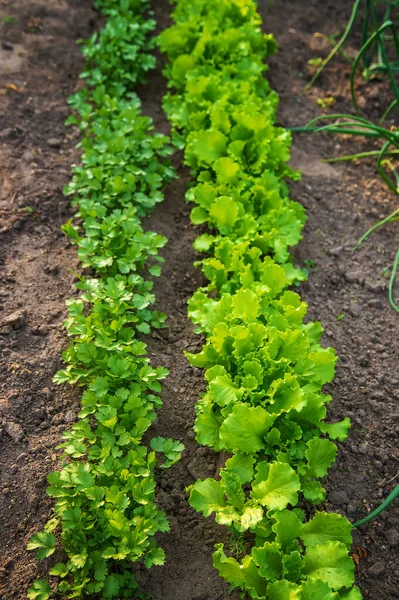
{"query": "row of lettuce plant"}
(265, 368)
(105, 517)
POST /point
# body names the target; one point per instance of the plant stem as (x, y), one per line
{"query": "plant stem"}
(337, 47)
(388, 110)
(357, 156)
(375, 36)
(387, 219)
(392, 281)
(334, 129)
(392, 496)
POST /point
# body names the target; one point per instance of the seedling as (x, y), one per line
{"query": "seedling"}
(315, 62)
(8, 19)
(326, 102)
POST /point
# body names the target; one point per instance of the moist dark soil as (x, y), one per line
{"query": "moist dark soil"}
(346, 291)
(39, 68)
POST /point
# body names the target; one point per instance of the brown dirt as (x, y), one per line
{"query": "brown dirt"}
(40, 58)
(342, 201)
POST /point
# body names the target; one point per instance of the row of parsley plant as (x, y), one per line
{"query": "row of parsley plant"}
(105, 517)
(264, 366)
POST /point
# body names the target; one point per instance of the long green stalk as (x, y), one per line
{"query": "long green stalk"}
(372, 38)
(392, 282)
(388, 110)
(336, 49)
(358, 155)
(358, 126)
(383, 506)
(387, 219)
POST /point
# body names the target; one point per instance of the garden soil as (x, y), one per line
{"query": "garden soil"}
(39, 68)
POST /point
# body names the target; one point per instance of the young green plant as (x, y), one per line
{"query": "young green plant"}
(265, 367)
(105, 515)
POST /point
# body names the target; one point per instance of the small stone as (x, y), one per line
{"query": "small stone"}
(375, 303)
(15, 431)
(338, 497)
(16, 319)
(28, 155)
(378, 395)
(7, 46)
(336, 250)
(362, 101)
(70, 417)
(203, 596)
(198, 468)
(392, 536)
(52, 270)
(374, 212)
(375, 286)
(376, 569)
(354, 276)
(54, 142)
(46, 393)
(364, 361)
(379, 348)
(364, 448)
(174, 527)
(351, 510)
(5, 330)
(57, 419)
(6, 132)
(38, 414)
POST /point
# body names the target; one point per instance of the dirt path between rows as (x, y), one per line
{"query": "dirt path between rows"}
(342, 202)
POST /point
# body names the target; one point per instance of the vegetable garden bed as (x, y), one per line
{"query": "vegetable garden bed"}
(345, 291)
